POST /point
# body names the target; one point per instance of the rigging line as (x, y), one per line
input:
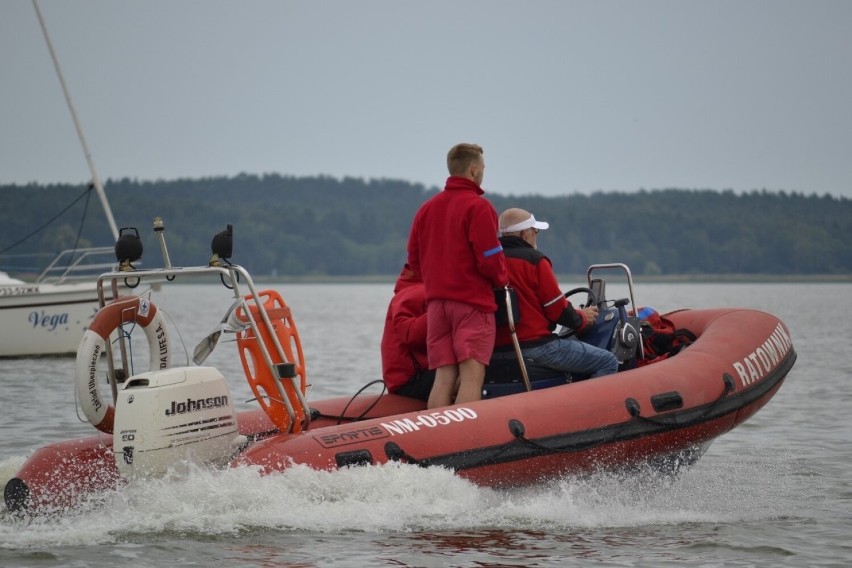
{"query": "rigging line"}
(51, 220)
(79, 230)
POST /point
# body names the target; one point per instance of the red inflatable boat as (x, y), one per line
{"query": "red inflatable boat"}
(664, 413)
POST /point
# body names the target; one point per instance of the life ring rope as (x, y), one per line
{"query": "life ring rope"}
(137, 310)
(283, 399)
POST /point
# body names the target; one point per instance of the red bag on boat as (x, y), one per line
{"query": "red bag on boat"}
(660, 338)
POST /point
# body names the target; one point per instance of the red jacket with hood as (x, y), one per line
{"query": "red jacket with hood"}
(404, 337)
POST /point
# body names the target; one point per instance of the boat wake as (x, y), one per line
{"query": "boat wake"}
(399, 498)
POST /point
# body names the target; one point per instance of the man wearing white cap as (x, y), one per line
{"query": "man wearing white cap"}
(542, 305)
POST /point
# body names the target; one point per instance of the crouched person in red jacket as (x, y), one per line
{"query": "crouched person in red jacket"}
(405, 367)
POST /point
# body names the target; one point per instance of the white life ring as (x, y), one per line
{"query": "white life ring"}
(99, 411)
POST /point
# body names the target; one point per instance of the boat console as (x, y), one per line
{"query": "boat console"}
(616, 329)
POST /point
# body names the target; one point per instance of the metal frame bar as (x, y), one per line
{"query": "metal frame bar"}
(231, 276)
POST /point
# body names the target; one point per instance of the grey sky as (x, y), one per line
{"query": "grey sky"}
(564, 96)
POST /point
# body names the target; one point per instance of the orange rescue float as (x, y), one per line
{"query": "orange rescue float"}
(282, 398)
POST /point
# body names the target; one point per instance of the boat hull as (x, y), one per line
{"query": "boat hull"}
(737, 364)
(646, 414)
(663, 414)
(45, 319)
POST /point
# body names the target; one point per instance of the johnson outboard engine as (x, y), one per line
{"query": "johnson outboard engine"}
(168, 419)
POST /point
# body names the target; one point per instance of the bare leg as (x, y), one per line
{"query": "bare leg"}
(444, 386)
(471, 375)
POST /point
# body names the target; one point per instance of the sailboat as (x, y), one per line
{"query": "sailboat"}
(47, 315)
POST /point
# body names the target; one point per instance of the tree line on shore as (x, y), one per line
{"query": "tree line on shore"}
(327, 227)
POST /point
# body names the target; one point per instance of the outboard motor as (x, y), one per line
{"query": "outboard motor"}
(167, 419)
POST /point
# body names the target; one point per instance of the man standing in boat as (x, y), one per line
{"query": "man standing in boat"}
(542, 305)
(453, 248)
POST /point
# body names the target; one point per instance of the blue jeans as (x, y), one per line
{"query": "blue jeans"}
(573, 356)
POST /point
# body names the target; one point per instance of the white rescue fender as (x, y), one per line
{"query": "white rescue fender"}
(98, 410)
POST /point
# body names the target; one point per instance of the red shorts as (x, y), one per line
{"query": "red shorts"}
(457, 332)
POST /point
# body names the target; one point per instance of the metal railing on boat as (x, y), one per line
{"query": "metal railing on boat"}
(233, 277)
(72, 265)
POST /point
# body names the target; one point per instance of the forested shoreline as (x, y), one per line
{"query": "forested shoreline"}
(327, 228)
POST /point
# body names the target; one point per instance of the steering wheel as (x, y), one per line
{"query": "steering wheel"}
(593, 299)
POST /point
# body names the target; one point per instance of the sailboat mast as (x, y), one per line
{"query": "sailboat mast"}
(96, 180)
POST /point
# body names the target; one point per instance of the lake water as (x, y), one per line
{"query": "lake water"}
(774, 492)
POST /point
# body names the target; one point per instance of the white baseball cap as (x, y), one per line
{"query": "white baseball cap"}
(530, 223)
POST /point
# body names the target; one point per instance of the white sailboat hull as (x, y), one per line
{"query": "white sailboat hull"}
(45, 319)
